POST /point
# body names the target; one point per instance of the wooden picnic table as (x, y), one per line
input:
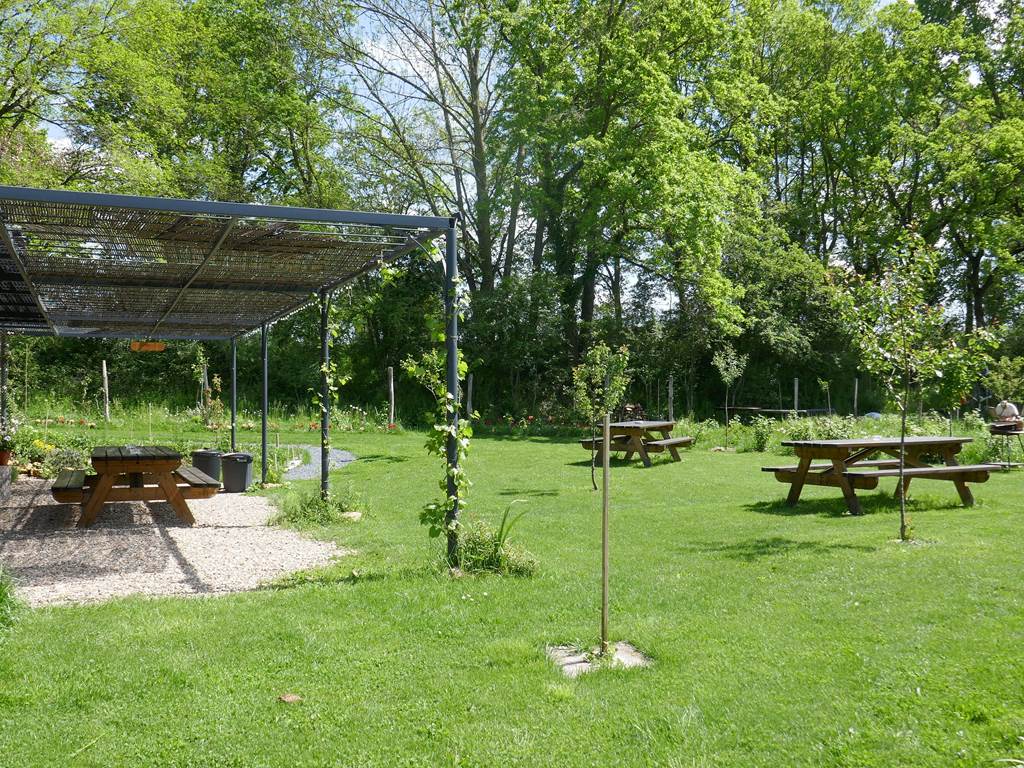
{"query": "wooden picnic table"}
(843, 460)
(133, 473)
(637, 437)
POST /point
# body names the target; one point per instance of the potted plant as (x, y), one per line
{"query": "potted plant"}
(6, 444)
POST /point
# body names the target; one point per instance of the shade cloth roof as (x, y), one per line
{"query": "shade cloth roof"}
(88, 264)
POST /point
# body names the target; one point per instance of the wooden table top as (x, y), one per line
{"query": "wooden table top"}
(640, 424)
(134, 453)
(879, 442)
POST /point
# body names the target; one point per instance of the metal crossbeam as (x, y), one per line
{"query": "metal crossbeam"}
(5, 234)
(221, 237)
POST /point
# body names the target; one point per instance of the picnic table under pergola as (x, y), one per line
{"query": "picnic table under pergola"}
(87, 265)
(852, 465)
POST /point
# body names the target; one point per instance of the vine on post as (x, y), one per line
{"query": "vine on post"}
(438, 515)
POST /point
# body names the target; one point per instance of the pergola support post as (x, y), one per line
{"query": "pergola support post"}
(263, 405)
(451, 278)
(3, 379)
(234, 395)
(325, 398)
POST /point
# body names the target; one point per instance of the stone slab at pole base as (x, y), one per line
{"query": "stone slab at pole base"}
(572, 662)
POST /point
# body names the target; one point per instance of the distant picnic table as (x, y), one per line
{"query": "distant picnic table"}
(844, 465)
(638, 437)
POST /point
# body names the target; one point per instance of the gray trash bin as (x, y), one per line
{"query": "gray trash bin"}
(237, 471)
(208, 462)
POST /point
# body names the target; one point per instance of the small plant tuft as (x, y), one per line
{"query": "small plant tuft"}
(482, 549)
(8, 602)
(311, 510)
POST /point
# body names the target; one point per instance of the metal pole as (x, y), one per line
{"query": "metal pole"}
(451, 277)
(325, 400)
(856, 386)
(671, 399)
(606, 476)
(469, 394)
(234, 395)
(796, 395)
(264, 404)
(3, 379)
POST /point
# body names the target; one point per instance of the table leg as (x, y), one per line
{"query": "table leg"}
(839, 467)
(966, 497)
(97, 497)
(673, 451)
(798, 482)
(639, 445)
(175, 498)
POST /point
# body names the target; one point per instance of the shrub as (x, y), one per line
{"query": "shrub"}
(64, 458)
(482, 549)
(762, 429)
(311, 509)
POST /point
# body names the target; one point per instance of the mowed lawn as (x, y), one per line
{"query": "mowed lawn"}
(779, 637)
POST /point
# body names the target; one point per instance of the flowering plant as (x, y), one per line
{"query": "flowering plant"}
(7, 436)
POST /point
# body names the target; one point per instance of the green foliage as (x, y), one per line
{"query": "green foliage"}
(763, 429)
(482, 549)
(312, 510)
(599, 382)
(906, 341)
(9, 604)
(1005, 377)
(429, 371)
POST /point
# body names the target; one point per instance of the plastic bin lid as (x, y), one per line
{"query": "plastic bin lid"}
(206, 452)
(240, 457)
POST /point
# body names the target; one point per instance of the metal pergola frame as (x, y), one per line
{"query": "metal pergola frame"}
(84, 264)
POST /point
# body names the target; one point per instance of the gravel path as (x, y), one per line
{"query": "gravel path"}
(138, 548)
(311, 469)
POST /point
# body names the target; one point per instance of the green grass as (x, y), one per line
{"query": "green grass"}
(780, 637)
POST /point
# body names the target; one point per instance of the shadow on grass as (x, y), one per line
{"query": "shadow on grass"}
(870, 503)
(382, 457)
(345, 574)
(532, 493)
(755, 549)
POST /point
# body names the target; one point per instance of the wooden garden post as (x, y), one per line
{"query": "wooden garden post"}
(106, 393)
(391, 395)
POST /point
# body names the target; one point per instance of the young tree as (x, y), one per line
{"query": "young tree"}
(904, 340)
(599, 385)
(729, 365)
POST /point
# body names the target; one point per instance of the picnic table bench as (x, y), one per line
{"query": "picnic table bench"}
(637, 437)
(843, 462)
(133, 473)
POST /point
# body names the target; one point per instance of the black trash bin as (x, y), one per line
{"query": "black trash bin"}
(237, 471)
(208, 462)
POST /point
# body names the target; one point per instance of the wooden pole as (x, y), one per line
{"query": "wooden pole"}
(796, 394)
(469, 394)
(856, 386)
(605, 499)
(671, 399)
(106, 394)
(391, 395)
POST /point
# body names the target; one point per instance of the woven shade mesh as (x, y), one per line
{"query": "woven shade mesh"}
(99, 270)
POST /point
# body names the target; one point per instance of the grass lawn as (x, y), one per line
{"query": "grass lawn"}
(780, 637)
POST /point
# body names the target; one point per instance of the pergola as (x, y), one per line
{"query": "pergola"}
(121, 266)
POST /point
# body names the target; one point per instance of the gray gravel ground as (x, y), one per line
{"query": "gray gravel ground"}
(142, 548)
(311, 470)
